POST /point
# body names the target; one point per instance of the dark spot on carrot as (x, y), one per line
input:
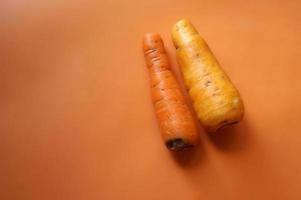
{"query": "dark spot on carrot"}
(176, 144)
(208, 83)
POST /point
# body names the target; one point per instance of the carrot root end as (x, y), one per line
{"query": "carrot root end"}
(177, 144)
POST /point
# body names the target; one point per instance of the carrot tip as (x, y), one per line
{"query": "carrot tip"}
(152, 41)
(177, 144)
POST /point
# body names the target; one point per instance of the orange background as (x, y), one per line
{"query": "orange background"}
(76, 119)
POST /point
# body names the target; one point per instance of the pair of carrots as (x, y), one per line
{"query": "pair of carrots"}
(215, 99)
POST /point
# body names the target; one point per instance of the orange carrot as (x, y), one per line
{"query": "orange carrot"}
(175, 120)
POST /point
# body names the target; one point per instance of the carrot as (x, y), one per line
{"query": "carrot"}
(175, 120)
(215, 99)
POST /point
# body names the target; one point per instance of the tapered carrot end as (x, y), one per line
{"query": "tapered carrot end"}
(177, 144)
(152, 41)
(182, 32)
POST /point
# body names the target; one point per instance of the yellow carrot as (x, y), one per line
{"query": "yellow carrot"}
(215, 99)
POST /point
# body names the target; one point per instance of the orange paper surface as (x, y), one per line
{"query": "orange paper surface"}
(76, 118)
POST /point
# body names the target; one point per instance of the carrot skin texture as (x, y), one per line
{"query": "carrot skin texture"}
(175, 120)
(215, 99)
